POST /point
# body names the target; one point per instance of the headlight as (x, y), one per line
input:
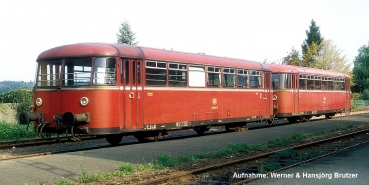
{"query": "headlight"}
(84, 101)
(38, 101)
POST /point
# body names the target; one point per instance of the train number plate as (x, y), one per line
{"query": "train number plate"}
(183, 124)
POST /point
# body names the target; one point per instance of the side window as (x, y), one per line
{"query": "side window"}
(242, 78)
(310, 82)
(214, 79)
(330, 84)
(339, 84)
(318, 82)
(324, 83)
(303, 82)
(255, 79)
(156, 73)
(104, 71)
(229, 77)
(275, 81)
(285, 81)
(177, 74)
(196, 76)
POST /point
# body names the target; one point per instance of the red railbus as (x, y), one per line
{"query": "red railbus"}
(300, 93)
(113, 90)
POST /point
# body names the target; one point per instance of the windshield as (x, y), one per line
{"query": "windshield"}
(48, 73)
(76, 72)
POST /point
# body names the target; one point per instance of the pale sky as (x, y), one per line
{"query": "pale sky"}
(246, 29)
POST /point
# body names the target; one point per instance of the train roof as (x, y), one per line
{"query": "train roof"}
(138, 52)
(305, 70)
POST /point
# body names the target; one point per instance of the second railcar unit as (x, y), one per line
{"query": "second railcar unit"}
(300, 93)
(118, 89)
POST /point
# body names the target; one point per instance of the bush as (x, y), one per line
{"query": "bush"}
(21, 99)
(15, 131)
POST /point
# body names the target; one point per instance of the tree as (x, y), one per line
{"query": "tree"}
(361, 70)
(311, 45)
(293, 58)
(331, 58)
(125, 35)
(313, 35)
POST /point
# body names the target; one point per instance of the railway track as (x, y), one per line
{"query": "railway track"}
(64, 149)
(38, 142)
(253, 166)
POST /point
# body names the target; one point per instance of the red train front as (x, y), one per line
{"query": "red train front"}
(116, 89)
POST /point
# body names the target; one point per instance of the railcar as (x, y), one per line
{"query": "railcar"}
(113, 90)
(300, 93)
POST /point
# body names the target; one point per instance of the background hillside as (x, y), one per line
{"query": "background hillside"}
(6, 86)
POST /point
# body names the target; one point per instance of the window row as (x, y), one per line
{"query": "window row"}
(160, 73)
(310, 82)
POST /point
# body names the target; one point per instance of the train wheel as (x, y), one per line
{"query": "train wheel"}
(114, 139)
(308, 118)
(291, 120)
(271, 121)
(329, 116)
(140, 138)
(201, 130)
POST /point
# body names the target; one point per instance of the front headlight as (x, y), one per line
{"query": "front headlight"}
(38, 101)
(84, 101)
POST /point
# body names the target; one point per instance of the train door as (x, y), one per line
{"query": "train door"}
(295, 92)
(133, 94)
(348, 95)
(267, 95)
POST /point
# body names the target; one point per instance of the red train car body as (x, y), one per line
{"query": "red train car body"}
(300, 93)
(118, 89)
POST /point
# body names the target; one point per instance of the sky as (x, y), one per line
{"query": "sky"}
(254, 30)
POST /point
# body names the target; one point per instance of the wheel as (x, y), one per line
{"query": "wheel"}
(140, 138)
(291, 120)
(308, 118)
(200, 130)
(271, 121)
(114, 139)
(329, 116)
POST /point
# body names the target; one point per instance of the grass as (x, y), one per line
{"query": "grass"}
(166, 161)
(10, 131)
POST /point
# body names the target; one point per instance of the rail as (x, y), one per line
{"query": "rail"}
(190, 177)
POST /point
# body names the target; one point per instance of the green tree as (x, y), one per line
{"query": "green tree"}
(313, 35)
(331, 58)
(293, 58)
(361, 70)
(309, 50)
(126, 35)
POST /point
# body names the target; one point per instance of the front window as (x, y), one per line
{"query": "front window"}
(48, 73)
(77, 72)
(104, 71)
